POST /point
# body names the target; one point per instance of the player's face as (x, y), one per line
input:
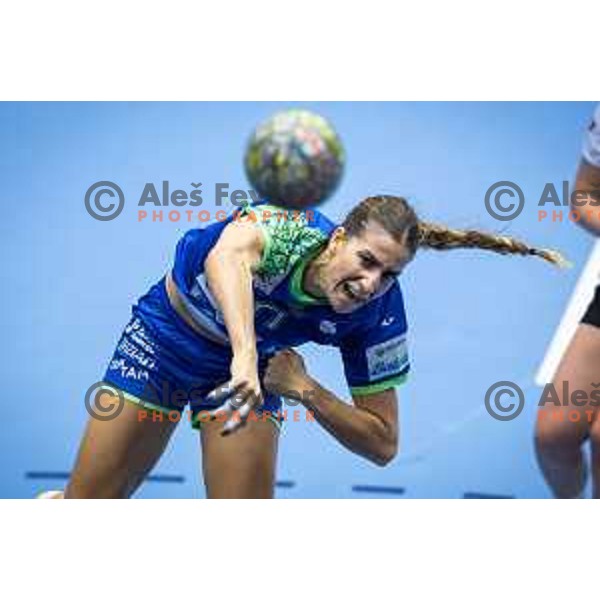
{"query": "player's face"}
(361, 266)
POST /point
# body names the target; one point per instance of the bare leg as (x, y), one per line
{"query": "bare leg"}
(560, 432)
(241, 465)
(116, 455)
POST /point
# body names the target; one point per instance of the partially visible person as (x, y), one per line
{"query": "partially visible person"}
(587, 184)
(559, 435)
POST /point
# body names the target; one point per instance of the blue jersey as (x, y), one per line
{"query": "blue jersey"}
(372, 339)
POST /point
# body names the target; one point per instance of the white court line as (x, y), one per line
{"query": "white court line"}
(580, 298)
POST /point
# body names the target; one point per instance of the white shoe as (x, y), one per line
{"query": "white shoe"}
(52, 495)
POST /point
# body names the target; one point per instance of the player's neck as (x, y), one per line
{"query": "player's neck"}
(312, 276)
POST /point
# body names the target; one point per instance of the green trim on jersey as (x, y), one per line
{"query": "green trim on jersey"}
(380, 386)
(296, 290)
(139, 401)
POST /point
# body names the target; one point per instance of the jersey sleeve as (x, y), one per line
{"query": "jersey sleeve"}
(375, 356)
(591, 142)
(289, 236)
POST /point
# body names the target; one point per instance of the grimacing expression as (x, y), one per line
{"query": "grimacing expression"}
(361, 266)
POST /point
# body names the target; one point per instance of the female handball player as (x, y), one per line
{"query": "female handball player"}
(216, 334)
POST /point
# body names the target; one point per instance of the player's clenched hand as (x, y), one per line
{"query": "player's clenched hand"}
(286, 373)
(242, 394)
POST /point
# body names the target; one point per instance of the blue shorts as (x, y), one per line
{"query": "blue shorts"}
(163, 365)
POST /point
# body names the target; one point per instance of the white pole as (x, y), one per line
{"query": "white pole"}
(580, 298)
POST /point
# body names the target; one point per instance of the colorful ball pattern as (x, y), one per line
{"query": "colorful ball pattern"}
(294, 159)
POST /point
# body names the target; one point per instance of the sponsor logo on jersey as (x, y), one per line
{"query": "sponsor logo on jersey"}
(127, 371)
(328, 327)
(387, 358)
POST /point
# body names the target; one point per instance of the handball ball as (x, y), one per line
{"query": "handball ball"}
(294, 159)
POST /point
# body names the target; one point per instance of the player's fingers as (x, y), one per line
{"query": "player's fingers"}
(222, 392)
(238, 419)
(245, 411)
(228, 408)
(234, 423)
(216, 394)
(230, 427)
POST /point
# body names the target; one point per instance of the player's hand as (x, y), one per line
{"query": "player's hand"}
(286, 373)
(242, 394)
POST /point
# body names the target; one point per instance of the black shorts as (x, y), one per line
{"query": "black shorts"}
(592, 314)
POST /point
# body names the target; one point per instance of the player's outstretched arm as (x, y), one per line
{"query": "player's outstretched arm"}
(587, 199)
(229, 270)
(369, 427)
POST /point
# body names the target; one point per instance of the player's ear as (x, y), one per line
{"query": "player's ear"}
(338, 237)
(336, 240)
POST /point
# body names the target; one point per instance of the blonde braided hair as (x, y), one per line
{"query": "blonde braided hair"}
(399, 219)
(440, 237)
